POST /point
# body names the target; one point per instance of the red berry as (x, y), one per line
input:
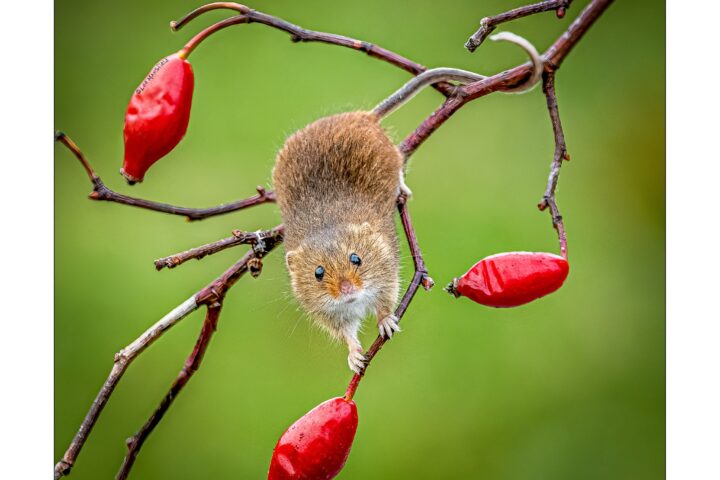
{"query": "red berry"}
(157, 115)
(317, 445)
(511, 279)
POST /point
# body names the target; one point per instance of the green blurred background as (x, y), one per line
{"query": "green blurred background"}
(568, 387)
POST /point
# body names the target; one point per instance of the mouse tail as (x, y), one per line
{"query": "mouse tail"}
(444, 74)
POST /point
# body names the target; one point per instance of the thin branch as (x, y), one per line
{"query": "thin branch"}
(561, 154)
(212, 293)
(212, 296)
(299, 34)
(123, 359)
(200, 37)
(488, 24)
(192, 364)
(238, 238)
(420, 278)
(263, 196)
(102, 193)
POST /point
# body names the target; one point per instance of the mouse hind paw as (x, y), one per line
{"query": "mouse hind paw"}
(356, 360)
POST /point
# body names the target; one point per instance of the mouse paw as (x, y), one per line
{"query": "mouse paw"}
(356, 360)
(388, 325)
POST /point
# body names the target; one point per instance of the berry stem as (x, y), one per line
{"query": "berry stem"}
(198, 39)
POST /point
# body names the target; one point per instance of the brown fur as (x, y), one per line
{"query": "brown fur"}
(337, 182)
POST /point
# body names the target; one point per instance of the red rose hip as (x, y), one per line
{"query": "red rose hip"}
(317, 445)
(157, 115)
(511, 279)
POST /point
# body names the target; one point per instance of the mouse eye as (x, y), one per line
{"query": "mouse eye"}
(319, 273)
(355, 259)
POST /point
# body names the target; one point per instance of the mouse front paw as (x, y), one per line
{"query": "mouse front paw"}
(388, 325)
(356, 360)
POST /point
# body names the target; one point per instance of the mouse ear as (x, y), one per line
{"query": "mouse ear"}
(365, 228)
(290, 258)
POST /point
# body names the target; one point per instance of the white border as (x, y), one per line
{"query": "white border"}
(26, 235)
(693, 267)
(26, 197)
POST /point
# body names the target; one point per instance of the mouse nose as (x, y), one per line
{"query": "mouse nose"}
(346, 286)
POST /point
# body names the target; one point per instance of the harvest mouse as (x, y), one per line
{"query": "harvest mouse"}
(337, 182)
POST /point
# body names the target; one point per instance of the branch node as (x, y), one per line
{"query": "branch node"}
(549, 65)
(427, 282)
(258, 246)
(62, 468)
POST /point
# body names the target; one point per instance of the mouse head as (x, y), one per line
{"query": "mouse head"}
(341, 270)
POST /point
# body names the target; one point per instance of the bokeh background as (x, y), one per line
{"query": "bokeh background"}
(571, 386)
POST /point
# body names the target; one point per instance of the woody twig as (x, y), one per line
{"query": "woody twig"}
(211, 296)
(561, 154)
(299, 34)
(103, 193)
(122, 361)
(488, 24)
(191, 366)
(256, 239)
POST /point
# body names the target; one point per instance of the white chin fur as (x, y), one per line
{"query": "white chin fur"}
(357, 309)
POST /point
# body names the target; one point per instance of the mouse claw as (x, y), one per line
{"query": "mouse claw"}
(356, 361)
(388, 326)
